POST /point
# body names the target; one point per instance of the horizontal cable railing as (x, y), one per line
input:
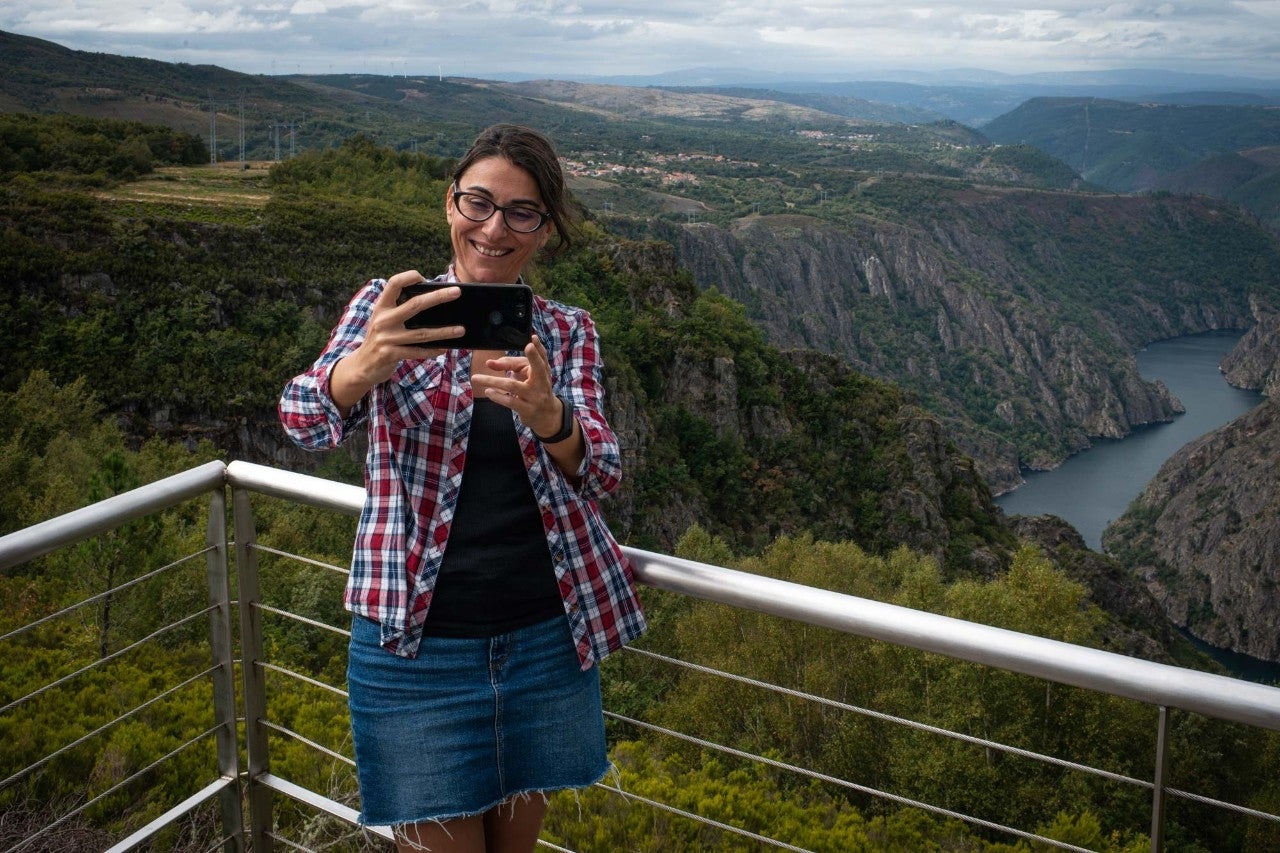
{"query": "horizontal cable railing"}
(98, 676)
(1158, 685)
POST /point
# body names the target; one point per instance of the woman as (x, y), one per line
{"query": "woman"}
(486, 587)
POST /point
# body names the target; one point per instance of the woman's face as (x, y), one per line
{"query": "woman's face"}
(489, 251)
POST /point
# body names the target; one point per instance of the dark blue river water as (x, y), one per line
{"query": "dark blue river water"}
(1093, 488)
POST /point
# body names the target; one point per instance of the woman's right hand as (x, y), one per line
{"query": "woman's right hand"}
(387, 342)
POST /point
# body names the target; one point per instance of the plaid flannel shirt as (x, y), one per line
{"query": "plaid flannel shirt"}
(419, 421)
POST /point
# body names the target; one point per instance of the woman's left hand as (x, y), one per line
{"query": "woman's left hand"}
(524, 384)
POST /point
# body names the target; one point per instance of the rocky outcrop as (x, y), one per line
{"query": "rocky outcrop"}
(1255, 361)
(1139, 628)
(1205, 535)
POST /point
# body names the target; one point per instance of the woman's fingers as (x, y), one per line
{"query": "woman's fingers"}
(391, 290)
(524, 384)
(390, 315)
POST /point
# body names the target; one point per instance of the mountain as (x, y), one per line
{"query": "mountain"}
(275, 114)
(1003, 304)
(205, 305)
(1205, 533)
(420, 113)
(1134, 80)
(835, 104)
(975, 96)
(1127, 146)
(1250, 178)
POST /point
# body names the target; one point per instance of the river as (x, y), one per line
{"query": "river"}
(1093, 488)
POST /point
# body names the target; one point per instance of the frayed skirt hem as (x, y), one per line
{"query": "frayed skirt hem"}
(397, 826)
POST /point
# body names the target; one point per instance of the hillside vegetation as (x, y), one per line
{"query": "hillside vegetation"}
(439, 116)
(1249, 177)
(92, 151)
(1208, 148)
(1013, 314)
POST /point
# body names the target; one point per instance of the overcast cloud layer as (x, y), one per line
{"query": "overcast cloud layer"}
(554, 38)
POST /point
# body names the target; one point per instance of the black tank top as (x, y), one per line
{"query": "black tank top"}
(497, 574)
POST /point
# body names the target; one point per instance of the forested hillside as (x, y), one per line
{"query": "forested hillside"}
(203, 312)
(1249, 177)
(713, 157)
(1208, 148)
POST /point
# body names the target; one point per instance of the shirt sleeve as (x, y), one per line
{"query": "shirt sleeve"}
(582, 382)
(307, 411)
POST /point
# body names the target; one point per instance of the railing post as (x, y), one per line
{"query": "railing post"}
(1157, 794)
(255, 692)
(224, 676)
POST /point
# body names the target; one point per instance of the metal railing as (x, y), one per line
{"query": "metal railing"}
(247, 792)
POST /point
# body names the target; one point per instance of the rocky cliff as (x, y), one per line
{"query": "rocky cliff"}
(722, 429)
(1205, 535)
(1255, 361)
(1013, 316)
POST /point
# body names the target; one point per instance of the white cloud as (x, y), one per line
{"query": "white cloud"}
(551, 37)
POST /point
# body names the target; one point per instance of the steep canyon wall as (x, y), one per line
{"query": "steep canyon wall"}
(1013, 316)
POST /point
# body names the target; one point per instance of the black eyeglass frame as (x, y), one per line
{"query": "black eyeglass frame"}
(543, 217)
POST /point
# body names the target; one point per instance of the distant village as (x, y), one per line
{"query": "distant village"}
(663, 167)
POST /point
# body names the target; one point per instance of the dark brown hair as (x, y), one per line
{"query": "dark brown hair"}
(533, 152)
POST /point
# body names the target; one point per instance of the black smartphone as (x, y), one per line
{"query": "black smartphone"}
(495, 316)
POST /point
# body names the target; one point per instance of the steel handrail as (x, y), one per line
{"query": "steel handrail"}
(39, 539)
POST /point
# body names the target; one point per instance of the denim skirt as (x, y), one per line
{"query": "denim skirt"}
(469, 723)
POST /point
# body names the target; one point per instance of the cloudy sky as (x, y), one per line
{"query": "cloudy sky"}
(562, 38)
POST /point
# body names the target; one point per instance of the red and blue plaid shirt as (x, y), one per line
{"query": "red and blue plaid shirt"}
(419, 421)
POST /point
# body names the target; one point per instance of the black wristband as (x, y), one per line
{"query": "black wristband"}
(566, 424)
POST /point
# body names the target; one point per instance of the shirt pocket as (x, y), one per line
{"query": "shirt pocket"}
(415, 396)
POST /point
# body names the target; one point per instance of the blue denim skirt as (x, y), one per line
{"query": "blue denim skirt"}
(469, 723)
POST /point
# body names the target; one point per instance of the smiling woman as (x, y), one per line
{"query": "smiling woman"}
(482, 603)
(488, 247)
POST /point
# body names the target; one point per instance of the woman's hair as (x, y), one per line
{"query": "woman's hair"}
(533, 152)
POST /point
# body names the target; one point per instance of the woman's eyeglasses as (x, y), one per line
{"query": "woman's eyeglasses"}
(477, 208)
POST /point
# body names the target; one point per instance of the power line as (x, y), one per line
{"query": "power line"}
(213, 128)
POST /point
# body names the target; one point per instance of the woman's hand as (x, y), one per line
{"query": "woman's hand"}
(387, 342)
(524, 384)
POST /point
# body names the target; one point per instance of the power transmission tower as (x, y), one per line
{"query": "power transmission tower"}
(213, 131)
(291, 127)
(275, 135)
(243, 165)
